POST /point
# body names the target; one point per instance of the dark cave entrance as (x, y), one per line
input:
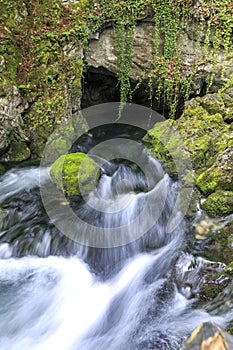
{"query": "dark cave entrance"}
(101, 86)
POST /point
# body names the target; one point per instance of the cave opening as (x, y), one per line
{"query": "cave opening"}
(101, 86)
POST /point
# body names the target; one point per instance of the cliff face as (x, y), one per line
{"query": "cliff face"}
(165, 54)
(101, 52)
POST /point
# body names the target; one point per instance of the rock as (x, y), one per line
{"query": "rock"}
(18, 152)
(2, 169)
(196, 136)
(219, 203)
(102, 53)
(75, 174)
(219, 176)
(220, 246)
(204, 227)
(209, 336)
(11, 123)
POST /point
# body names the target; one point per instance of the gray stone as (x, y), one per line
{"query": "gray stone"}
(102, 53)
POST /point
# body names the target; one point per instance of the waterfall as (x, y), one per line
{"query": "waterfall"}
(58, 293)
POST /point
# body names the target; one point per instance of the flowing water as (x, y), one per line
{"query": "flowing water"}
(58, 294)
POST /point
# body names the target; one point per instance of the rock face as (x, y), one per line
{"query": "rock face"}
(209, 337)
(199, 147)
(102, 53)
(13, 140)
(75, 174)
(219, 176)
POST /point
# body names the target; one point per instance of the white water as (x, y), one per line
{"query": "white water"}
(61, 303)
(53, 303)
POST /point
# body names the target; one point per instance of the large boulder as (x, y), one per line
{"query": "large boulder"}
(198, 147)
(196, 135)
(209, 336)
(75, 174)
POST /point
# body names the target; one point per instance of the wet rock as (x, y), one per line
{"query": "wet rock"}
(205, 227)
(209, 337)
(220, 247)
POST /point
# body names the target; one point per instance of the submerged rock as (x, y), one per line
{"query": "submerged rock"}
(75, 174)
(209, 336)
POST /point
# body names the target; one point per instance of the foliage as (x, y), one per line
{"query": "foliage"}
(34, 39)
(38, 37)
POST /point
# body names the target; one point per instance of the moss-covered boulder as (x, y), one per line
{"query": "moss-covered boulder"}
(196, 137)
(219, 203)
(220, 246)
(219, 176)
(75, 174)
(19, 152)
(209, 336)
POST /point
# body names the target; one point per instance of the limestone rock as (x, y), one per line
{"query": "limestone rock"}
(11, 123)
(102, 53)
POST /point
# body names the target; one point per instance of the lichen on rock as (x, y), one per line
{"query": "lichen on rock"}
(75, 174)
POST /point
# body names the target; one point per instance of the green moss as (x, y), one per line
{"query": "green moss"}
(220, 247)
(219, 176)
(219, 203)
(2, 169)
(208, 181)
(19, 151)
(196, 135)
(166, 144)
(210, 291)
(228, 271)
(75, 174)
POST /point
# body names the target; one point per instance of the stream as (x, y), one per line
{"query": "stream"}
(57, 293)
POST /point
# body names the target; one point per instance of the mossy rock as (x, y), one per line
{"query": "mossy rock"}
(75, 174)
(219, 203)
(166, 144)
(219, 176)
(197, 137)
(210, 291)
(19, 152)
(220, 247)
(2, 169)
